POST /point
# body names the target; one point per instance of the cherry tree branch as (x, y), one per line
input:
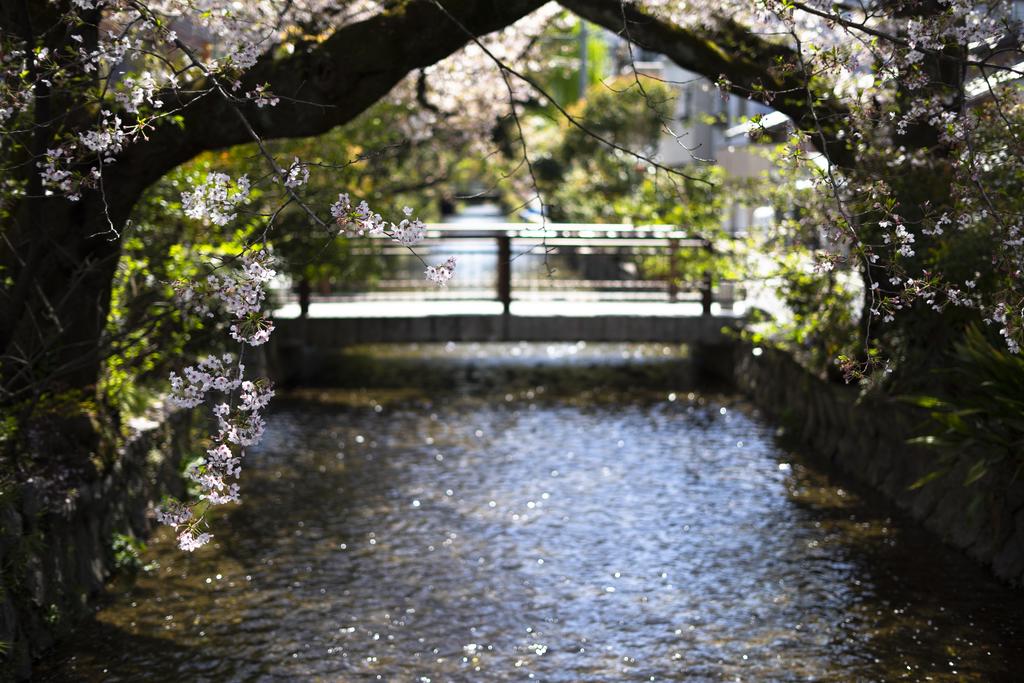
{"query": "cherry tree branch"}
(752, 65)
(321, 86)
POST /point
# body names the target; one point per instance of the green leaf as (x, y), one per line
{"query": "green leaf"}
(977, 471)
(925, 401)
(931, 476)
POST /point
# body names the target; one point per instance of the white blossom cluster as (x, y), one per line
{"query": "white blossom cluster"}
(213, 373)
(409, 231)
(140, 52)
(262, 97)
(56, 168)
(241, 295)
(243, 425)
(296, 175)
(216, 199)
(56, 175)
(174, 513)
(356, 221)
(441, 274)
(1002, 315)
(900, 237)
(107, 139)
(182, 519)
(240, 422)
(241, 292)
(361, 220)
(190, 540)
(467, 90)
(136, 91)
(69, 164)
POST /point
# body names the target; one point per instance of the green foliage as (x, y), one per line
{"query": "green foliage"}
(625, 111)
(821, 326)
(127, 553)
(560, 50)
(981, 414)
(820, 295)
(147, 329)
(8, 429)
(582, 179)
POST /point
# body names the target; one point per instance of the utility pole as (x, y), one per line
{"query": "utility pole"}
(584, 80)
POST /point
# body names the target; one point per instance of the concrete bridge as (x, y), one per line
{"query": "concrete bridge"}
(335, 332)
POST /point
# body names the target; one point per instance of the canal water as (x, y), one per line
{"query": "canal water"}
(519, 532)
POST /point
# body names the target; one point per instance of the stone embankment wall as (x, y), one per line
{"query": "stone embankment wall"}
(866, 437)
(53, 562)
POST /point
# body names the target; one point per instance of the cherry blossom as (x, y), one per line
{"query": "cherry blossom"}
(441, 274)
(297, 175)
(409, 232)
(216, 199)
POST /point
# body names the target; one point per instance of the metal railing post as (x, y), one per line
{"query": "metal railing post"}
(304, 296)
(707, 294)
(505, 272)
(673, 269)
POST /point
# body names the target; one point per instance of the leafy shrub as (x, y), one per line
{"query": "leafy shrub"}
(982, 417)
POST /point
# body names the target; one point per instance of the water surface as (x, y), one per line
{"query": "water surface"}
(521, 537)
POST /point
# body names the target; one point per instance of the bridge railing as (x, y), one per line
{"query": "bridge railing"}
(567, 261)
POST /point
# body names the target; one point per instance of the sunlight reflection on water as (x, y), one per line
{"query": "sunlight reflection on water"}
(655, 538)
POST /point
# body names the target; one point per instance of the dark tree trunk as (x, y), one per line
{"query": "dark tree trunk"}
(53, 322)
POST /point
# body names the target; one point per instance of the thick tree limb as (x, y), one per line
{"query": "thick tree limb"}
(323, 86)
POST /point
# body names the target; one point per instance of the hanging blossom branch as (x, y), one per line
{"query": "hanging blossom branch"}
(360, 220)
(238, 402)
(239, 419)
